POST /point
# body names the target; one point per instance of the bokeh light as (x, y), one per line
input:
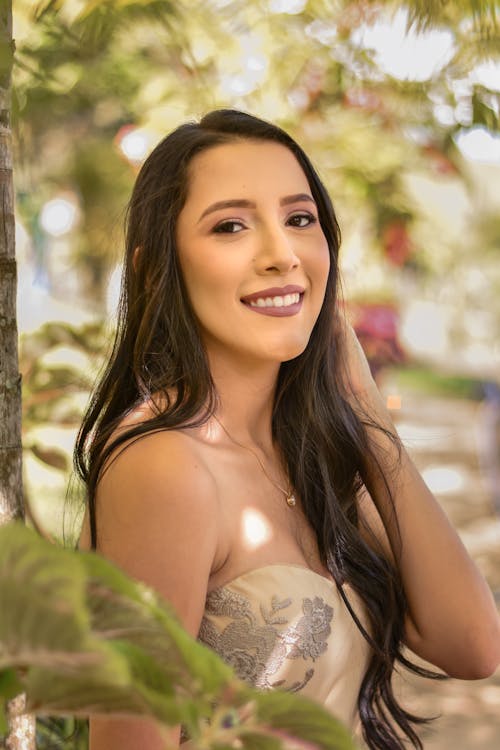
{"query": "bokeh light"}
(444, 479)
(291, 7)
(403, 53)
(479, 144)
(59, 216)
(135, 143)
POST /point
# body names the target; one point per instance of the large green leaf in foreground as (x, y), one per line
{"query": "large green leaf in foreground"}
(82, 638)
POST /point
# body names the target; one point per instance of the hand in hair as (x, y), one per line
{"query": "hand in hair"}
(451, 620)
(356, 372)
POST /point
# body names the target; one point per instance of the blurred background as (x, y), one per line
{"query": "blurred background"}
(398, 105)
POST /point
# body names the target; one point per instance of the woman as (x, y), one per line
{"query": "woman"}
(239, 458)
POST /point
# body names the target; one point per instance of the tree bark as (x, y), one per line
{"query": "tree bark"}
(11, 505)
(22, 727)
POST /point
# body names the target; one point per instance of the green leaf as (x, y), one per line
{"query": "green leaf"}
(289, 716)
(10, 685)
(45, 625)
(4, 725)
(133, 611)
(95, 641)
(482, 114)
(254, 741)
(82, 638)
(42, 595)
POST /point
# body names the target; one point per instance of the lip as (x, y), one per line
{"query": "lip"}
(273, 291)
(275, 312)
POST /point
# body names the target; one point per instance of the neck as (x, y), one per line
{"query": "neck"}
(246, 396)
(244, 415)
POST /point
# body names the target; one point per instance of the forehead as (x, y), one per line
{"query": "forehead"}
(253, 169)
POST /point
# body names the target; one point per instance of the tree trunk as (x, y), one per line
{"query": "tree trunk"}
(21, 727)
(11, 505)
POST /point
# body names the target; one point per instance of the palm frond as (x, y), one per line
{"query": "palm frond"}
(426, 14)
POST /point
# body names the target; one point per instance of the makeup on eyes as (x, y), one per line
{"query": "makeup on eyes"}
(244, 203)
(311, 219)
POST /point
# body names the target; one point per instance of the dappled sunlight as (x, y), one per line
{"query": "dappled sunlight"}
(479, 144)
(255, 529)
(287, 6)
(487, 74)
(406, 55)
(442, 479)
(245, 70)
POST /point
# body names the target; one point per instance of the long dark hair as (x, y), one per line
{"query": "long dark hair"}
(324, 442)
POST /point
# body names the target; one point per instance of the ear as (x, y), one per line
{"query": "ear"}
(135, 257)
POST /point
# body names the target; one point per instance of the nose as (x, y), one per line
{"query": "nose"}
(276, 251)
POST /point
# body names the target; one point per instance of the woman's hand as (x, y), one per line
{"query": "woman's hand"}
(358, 377)
(458, 632)
(360, 387)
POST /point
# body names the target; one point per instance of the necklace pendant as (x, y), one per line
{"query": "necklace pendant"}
(291, 501)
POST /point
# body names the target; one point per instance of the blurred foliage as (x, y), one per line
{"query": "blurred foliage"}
(84, 70)
(87, 71)
(94, 642)
(56, 362)
(59, 364)
(54, 733)
(430, 381)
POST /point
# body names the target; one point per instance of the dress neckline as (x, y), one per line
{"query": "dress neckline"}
(330, 582)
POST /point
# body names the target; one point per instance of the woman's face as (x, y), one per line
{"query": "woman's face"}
(252, 252)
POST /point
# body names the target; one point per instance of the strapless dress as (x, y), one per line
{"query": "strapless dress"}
(285, 626)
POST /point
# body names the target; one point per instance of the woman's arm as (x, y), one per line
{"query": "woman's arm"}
(157, 519)
(453, 622)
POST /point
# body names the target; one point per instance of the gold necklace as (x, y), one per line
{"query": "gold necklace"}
(290, 498)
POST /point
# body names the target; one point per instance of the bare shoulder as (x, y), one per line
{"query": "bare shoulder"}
(166, 461)
(157, 513)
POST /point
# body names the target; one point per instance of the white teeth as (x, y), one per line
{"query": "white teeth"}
(278, 301)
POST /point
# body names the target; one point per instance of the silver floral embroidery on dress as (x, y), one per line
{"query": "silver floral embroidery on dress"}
(257, 651)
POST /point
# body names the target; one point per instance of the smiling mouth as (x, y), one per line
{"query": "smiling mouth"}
(285, 300)
(280, 305)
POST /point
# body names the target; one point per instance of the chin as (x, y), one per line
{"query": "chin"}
(288, 357)
(282, 353)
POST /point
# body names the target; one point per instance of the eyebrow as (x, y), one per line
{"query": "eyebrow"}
(243, 203)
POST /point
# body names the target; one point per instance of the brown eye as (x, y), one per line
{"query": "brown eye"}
(302, 220)
(228, 227)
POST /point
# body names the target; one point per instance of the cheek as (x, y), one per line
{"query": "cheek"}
(217, 275)
(198, 273)
(210, 287)
(322, 264)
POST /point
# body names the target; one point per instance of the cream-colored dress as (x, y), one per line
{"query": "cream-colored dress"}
(286, 626)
